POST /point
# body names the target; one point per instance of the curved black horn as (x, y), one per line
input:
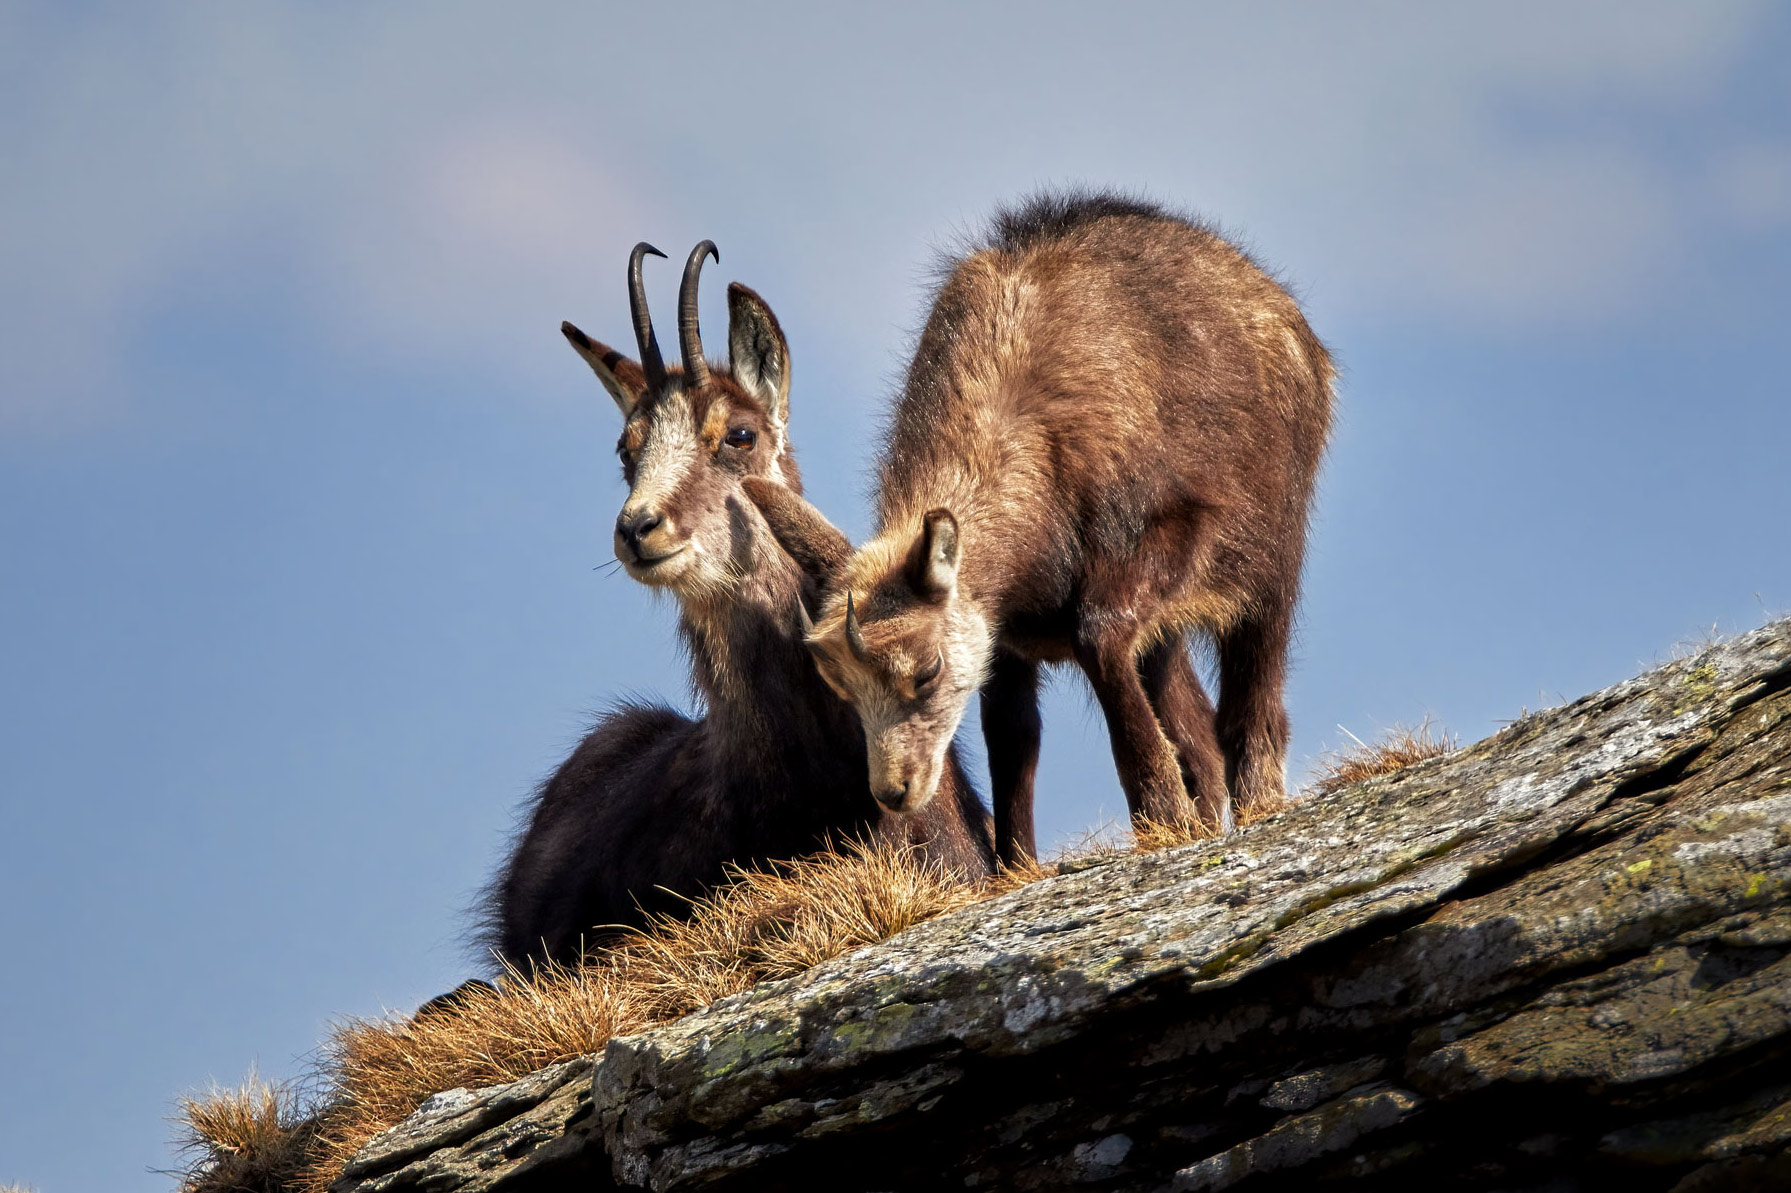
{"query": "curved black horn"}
(854, 636)
(690, 341)
(652, 364)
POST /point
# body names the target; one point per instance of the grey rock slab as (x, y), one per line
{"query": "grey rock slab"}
(1032, 969)
(469, 1139)
(1303, 1091)
(1301, 1139)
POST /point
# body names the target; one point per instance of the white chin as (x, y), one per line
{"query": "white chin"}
(667, 570)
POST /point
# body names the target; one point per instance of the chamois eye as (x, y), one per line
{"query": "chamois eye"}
(926, 675)
(740, 438)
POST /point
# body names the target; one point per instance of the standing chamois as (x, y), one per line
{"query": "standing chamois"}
(652, 807)
(1107, 439)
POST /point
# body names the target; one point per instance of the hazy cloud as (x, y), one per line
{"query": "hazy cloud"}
(469, 247)
(439, 181)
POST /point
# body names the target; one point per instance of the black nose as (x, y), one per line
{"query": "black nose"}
(632, 528)
(893, 798)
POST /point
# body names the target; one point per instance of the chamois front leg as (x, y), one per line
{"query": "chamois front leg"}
(1149, 772)
(1186, 715)
(1011, 731)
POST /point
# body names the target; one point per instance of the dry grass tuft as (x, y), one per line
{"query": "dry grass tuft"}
(1104, 840)
(763, 924)
(255, 1138)
(1148, 836)
(776, 923)
(380, 1070)
(1012, 878)
(1397, 749)
(1257, 813)
(1692, 646)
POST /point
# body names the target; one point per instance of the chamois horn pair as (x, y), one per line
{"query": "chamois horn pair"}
(854, 634)
(690, 341)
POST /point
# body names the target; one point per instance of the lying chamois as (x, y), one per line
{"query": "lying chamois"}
(1107, 440)
(653, 806)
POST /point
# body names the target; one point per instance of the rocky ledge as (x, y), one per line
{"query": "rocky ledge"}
(1554, 960)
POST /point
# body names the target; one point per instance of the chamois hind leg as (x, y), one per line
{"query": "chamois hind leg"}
(1149, 771)
(1252, 718)
(1186, 715)
(1011, 729)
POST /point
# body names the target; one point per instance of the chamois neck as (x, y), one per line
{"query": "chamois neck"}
(760, 690)
(990, 476)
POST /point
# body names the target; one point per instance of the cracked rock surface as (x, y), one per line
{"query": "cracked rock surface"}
(1556, 960)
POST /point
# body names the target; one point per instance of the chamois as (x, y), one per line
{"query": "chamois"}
(1107, 440)
(653, 806)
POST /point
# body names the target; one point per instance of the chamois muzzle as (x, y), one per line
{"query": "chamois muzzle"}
(893, 798)
(632, 528)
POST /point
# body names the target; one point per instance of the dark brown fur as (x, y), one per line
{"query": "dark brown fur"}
(1108, 439)
(652, 806)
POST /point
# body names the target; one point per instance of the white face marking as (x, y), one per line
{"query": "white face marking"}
(692, 484)
(670, 450)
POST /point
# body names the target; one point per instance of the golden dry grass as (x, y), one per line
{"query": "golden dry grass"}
(772, 923)
(251, 1139)
(1148, 836)
(1397, 749)
(379, 1070)
(779, 922)
(763, 924)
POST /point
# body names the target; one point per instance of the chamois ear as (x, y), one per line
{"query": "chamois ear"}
(622, 377)
(757, 351)
(933, 564)
(803, 531)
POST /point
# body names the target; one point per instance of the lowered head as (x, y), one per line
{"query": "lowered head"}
(893, 637)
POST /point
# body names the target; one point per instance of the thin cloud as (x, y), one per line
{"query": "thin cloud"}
(440, 183)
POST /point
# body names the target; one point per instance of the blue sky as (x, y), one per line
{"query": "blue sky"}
(303, 500)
